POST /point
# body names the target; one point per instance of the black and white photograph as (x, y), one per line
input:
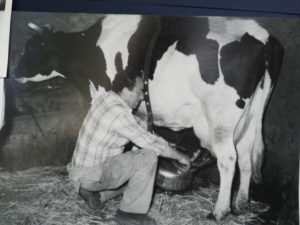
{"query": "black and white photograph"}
(149, 119)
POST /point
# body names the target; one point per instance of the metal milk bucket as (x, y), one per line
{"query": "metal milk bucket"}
(172, 175)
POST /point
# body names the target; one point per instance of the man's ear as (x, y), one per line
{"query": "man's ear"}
(125, 93)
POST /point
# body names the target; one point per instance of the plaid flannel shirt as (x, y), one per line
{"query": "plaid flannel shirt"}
(108, 126)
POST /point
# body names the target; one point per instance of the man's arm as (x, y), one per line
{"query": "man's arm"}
(169, 151)
(127, 126)
(141, 122)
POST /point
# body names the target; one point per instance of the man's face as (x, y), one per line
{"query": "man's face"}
(136, 94)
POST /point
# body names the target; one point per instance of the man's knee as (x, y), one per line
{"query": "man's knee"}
(148, 158)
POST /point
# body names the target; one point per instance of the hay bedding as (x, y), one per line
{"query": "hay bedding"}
(45, 196)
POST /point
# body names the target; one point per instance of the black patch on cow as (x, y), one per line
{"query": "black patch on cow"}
(139, 42)
(207, 55)
(274, 57)
(243, 64)
(240, 103)
(168, 35)
(190, 34)
(206, 52)
(118, 62)
(74, 55)
(82, 60)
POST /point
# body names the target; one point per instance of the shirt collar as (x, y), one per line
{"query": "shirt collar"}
(120, 100)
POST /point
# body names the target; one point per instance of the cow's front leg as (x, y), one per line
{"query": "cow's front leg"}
(226, 160)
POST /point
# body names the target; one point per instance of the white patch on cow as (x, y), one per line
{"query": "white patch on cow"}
(95, 92)
(39, 77)
(2, 102)
(35, 27)
(225, 31)
(168, 82)
(114, 38)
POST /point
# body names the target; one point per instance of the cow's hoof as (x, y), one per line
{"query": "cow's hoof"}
(240, 208)
(211, 216)
(220, 215)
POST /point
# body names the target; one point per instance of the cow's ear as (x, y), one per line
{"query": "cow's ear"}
(92, 33)
(35, 27)
(119, 62)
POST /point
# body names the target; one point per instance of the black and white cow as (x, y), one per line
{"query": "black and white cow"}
(212, 74)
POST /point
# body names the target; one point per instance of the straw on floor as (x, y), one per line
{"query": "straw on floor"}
(45, 196)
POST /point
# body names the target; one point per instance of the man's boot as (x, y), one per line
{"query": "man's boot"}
(125, 218)
(92, 198)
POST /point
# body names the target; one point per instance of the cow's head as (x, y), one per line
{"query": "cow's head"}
(38, 55)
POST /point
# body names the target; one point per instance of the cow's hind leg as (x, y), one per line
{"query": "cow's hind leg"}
(250, 147)
(250, 155)
(224, 149)
(241, 204)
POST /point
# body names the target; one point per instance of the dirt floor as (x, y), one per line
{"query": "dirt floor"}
(45, 196)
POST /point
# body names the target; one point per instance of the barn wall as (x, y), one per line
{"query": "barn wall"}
(282, 122)
(282, 125)
(42, 124)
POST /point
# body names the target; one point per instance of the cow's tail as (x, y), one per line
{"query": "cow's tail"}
(260, 101)
(273, 56)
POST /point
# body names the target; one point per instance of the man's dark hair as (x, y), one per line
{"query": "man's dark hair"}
(124, 79)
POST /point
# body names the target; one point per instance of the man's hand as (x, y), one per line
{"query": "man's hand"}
(171, 152)
(185, 159)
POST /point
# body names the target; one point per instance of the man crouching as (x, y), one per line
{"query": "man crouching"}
(99, 165)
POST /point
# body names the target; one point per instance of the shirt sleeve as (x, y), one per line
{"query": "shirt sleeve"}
(141, 122)
(127, 126)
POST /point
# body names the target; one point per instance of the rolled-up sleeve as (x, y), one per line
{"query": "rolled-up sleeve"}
(127, 126)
